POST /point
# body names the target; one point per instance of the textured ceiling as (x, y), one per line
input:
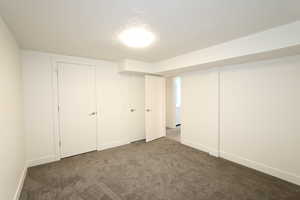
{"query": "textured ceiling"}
(88, 28)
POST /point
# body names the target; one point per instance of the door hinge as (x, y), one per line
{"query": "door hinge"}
(58, 108)
(59, 143)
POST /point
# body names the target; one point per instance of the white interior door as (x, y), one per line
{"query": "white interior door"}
(136, 107)
(77, 109)
(155, 104)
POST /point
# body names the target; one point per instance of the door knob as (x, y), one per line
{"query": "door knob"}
(93, 113)
(132, 110)
(148, 110)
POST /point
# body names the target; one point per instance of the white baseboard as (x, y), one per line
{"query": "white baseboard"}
(171, 126)
(290, 177)
(20, 184)
(112, 145)
(287, 176)
(137, 139)
(43, 160)
(200, 147)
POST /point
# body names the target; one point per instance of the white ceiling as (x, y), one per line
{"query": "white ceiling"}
(88, 28)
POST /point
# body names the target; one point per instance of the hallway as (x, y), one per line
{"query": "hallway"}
(174, 134)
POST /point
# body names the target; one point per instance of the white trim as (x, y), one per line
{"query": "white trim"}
(20, 184)
(56, 134)
(137, 139)
(293, 178)
(97, 108)
(112, 145)
(170, 127)
(42, 160)
(201, 147)
(287, 176)
(219, 112)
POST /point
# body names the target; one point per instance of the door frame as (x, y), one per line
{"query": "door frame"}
(55, 61)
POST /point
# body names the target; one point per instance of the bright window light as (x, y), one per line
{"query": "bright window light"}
(137, 37)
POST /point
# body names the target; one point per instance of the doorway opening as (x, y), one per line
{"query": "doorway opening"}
(173, 97)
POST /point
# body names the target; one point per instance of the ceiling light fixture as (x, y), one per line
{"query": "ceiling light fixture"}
(137, 37)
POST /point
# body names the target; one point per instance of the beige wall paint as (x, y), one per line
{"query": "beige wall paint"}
(12, 143)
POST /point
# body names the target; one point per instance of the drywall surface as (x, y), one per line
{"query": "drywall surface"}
(173, 101)
(128, 65)
(170, 103)
(199, 110)
(38, 106)
(177, 116)
(259, 43)
(259, 116)
(276, 42)
(12, 143)
(40, 100)
(178, 100)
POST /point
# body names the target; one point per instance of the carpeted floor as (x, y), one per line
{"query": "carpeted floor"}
(173, 133)
(159, 170)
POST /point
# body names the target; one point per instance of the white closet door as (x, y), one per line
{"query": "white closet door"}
(77, 109)
(155, 100)
(136, 107)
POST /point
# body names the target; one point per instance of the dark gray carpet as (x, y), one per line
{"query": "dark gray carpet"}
(159, 170)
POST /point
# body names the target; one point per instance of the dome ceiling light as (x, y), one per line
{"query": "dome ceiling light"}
(136, 37)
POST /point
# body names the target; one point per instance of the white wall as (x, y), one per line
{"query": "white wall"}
(259, 114)
(136, 66)
(170, 103)
(178, 100)
(173, 98)
(112, 101)
(252, 47)
(199, 110)
(38, 106)
(12, 142)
